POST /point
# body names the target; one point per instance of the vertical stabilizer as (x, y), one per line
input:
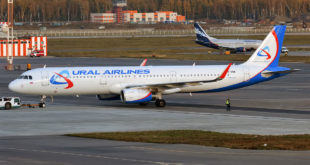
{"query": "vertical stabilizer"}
(268, 53)
(201, 34)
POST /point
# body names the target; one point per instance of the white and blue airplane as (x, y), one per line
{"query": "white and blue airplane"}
(143, 84)
(233, 45)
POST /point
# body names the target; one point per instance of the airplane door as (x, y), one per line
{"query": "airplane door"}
(103, 80)
(247, 75)
(45, 78)
(173, 76)
(232, 73)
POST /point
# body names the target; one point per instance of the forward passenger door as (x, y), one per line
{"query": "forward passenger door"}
(45, 78)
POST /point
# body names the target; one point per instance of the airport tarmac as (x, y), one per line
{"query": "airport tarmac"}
(276, 107)
(61, 150)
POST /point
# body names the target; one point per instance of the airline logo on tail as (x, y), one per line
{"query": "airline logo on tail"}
(62, 79)
(265, 52)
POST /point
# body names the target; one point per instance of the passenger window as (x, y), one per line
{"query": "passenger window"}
(30, 77)
(0, 99)
(26, 77)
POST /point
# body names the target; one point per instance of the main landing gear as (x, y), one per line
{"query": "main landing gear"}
(160, 103)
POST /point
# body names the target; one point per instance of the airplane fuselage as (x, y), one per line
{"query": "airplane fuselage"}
(112, 80)
(247, 44)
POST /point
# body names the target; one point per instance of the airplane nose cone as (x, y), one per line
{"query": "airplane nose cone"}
(13, 86)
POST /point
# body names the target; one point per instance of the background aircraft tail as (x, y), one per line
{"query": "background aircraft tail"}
(201, 34)
(268, 53)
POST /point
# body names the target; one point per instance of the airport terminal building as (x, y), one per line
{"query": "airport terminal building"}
(132, 16)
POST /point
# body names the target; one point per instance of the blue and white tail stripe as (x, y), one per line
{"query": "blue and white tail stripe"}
(201, 34)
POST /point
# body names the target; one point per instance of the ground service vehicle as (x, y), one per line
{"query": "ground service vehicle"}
(9, 102)
(284, 50)
(37, 53)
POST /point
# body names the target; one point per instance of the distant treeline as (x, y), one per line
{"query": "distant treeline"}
(79, 10)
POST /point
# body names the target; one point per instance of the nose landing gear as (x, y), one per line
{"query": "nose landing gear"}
(42, 104)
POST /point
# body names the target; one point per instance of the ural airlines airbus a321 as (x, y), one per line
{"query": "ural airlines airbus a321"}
(143, 84)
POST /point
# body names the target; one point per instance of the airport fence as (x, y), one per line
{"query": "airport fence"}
(92, 33)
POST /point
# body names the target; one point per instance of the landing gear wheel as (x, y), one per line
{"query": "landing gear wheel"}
(144, 104)
(42, 105)
(160, 103)
(7, 106)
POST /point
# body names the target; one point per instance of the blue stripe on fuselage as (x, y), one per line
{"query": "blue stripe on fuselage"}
(254, 80)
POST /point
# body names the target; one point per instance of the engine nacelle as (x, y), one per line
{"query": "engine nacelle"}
(241, 49)
(136, 95)
(108, 97)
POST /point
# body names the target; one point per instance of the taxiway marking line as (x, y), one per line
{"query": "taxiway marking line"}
(87, 155)
(268, 152)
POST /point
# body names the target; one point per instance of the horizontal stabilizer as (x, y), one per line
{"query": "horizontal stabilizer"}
(279, 70)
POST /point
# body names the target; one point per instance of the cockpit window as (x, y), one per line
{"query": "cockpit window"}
(25, 77)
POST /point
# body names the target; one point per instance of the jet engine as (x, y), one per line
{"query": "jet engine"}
(241, 49)
(136, 95)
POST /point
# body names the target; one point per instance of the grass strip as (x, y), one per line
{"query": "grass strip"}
(207, 138)
(171, 54)
(183, 48)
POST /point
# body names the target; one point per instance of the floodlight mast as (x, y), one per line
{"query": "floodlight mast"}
(10, 37)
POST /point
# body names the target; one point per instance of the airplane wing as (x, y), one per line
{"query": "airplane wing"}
(181, 84)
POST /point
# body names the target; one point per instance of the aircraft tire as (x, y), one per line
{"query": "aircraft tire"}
(7, 106)
(160, 103)
(42, 105)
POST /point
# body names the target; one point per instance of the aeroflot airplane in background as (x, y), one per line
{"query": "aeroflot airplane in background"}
(143, 84)
(233, 45)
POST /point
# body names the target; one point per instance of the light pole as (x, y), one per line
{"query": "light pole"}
(10, 37)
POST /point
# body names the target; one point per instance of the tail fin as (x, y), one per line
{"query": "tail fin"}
(201, 34)
(268, 53)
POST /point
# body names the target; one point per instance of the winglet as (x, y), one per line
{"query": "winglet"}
(144, 62)
(225, 72)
